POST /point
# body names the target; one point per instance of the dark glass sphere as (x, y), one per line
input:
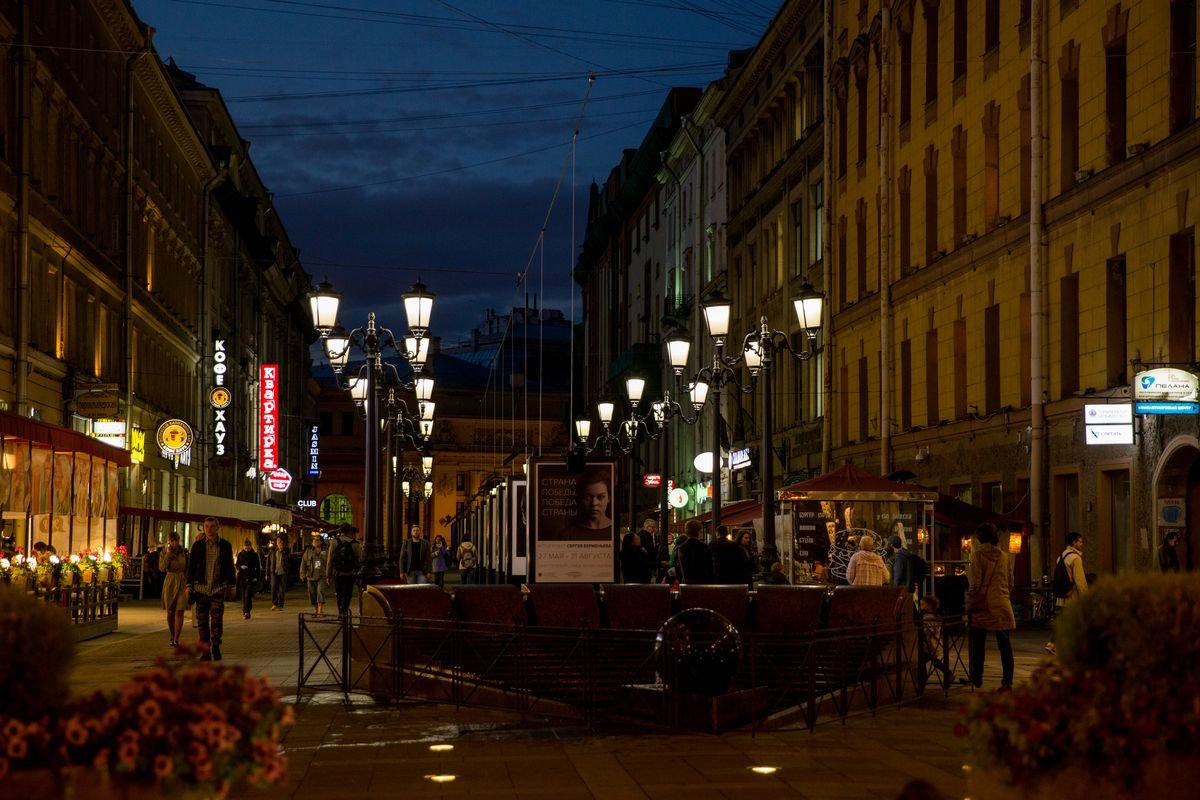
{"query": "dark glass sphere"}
(698, 651)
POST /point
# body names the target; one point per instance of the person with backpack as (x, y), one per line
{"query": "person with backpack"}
(908, 568)
(465, 556)
(343, 567)
(1070, 581)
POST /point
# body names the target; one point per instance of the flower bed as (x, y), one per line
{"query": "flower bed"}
(181, 725)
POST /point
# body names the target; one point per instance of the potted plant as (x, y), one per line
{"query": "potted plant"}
(119, 558)
(1117, 715)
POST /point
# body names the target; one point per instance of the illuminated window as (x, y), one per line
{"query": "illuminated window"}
(336, 509)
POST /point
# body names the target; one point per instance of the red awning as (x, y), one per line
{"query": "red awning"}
(59, 439)
(849, 482)
(739, 512)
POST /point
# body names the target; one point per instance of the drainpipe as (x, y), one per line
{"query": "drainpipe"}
(24, 163)
(130, 65)
(206, 200)
(827, 187)
(886, 366)
(1037, 415)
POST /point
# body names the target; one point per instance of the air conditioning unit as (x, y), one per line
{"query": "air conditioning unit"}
(1082, 175)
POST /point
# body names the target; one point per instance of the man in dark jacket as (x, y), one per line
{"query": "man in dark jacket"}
(727, 558)
(416, 558)
(902, 565)
(209, 574)
(249, 572)
(345, 561)
(694, 562)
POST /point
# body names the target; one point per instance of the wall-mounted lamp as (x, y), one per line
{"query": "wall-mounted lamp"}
(1014, 543)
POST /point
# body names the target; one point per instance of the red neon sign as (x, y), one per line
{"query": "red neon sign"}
(268, 429)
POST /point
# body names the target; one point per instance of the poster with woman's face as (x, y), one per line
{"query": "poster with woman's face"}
(16, 455)
(571, 523)
(63, 468)
(43, 464)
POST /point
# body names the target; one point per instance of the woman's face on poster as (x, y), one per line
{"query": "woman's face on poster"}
(594, 503)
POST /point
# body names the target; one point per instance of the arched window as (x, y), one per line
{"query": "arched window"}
(336, 509)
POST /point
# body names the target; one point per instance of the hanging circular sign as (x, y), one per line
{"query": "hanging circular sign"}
(678, 498)
(278, 480)
(174, 439)
(220, 397)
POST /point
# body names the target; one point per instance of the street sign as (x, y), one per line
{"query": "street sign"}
(278, 480)
(1166, 384)
(1166, 408)
(97, 405)
(652, 480)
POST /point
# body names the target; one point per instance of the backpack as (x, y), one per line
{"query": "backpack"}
(1062, 583)
(468, 558)
(344, 562)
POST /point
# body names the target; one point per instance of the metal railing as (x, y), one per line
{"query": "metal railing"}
(598, 674)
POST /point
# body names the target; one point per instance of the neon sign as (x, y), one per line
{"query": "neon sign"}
(314, 451)
(268, 429)
(220, 397)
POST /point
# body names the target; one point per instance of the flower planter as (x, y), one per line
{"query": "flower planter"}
(89, 576)
(88, 783)
(1166, 775)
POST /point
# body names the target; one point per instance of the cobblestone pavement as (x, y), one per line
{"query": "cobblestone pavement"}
(360, 750)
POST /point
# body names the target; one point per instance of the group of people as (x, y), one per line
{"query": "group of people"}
(688, 559)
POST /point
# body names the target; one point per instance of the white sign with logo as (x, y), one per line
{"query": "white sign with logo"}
(278, 480)
(1108, 414)
(678, 498)
(739, 459)
(1109, 434)
(1166, 384)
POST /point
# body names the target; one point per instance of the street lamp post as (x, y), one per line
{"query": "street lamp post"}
(759, 351)
(372, 342)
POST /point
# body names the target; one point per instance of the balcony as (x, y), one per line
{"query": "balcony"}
(677, 308)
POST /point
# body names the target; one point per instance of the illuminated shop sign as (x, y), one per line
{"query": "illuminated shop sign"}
(314, 451)
(175, 441)
(739, 459)
(220, 397)
(268, 428)
(137, 445)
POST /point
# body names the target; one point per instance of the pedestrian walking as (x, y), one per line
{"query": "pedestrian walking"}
(416, 558)
(210, 580)
(745, 564)
(989, 605)
(467, 560)
(277, 567)
(314, 571)
(249, 573)
(1070, 579)
(636, 562)
(174, 594)
(694, 559)
(344, 564)
(866, 567)
(441, 559)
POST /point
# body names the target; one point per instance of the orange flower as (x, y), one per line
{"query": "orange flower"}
(203, 770)
(149, 710)
(164, 765)
(18, 748)
(13, 728)
(76, 732)
(127, 753)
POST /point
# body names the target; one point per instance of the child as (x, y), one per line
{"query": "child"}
(931, 632)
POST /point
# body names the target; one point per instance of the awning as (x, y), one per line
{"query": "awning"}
(183, 516)
(849, 482)
(739, 512)
(951, 512)
(209, 505)
(59, 439)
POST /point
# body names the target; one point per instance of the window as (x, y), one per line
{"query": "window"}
(1068, 67)
(1182, 288)
(906, 385)
(816, 242)
(931, 200)
(864, 402)
(1026, 351)
(1115, 63)
(991, 358)
(1026, 147)
(1116, 322)
(1069, 334)
(960, 367)
(905, 75)
(932, 414)
(931, 53)
(347, 423)
(844, 402)
(799, 258)
(1114, 499)
(1182, 65)
(904, 188)
(1064, 511)
(958, 154)
(991, 25)
(460, 482)
(842, 297)
(336, 509)
(843, 135)
(960, 39)
(991, 165)
(860, 229)
(325, 423)
(862, 116)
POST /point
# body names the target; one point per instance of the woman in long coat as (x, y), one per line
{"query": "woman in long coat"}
(989, 604)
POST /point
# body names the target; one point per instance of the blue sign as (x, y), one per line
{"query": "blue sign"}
(314, 451)
(1166, 408)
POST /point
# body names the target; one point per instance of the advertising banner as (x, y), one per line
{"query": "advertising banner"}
(519, 525)
(574, 540)
(268, 421)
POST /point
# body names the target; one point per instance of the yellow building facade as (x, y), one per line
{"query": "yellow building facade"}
(961, 353)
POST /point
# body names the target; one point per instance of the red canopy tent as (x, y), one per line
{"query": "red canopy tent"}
(849, 482)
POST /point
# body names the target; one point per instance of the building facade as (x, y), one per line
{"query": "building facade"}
(1014, 242)
(108, 226)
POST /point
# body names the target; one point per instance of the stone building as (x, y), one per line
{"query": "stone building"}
(1013, 240)
(114, 251)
